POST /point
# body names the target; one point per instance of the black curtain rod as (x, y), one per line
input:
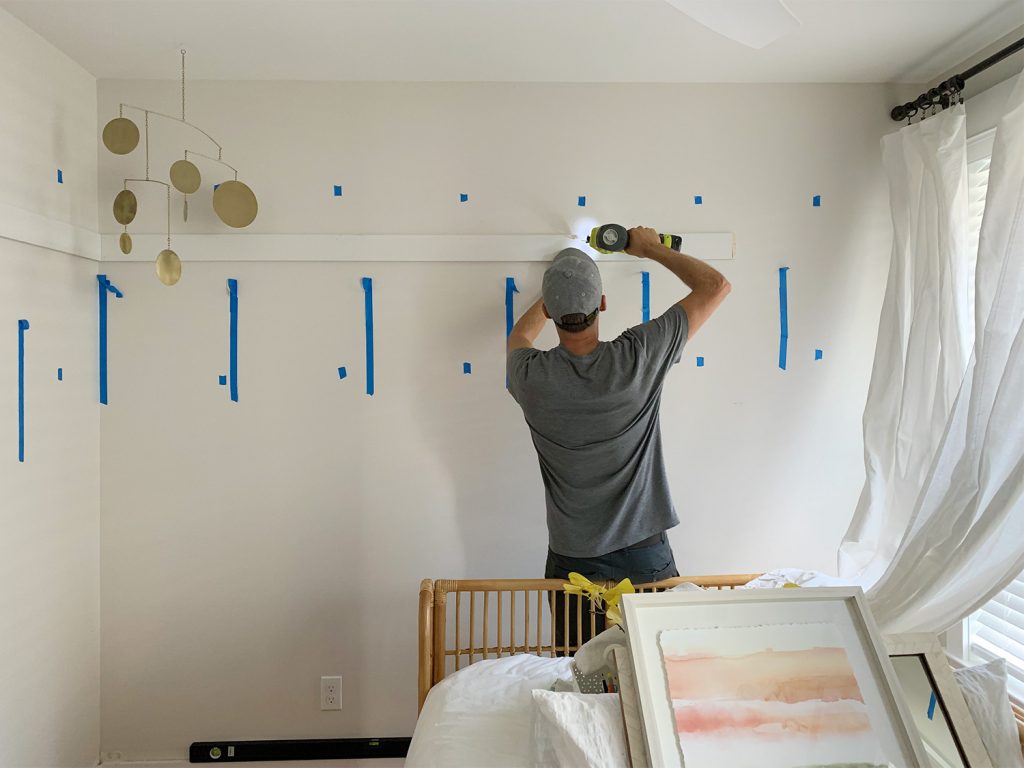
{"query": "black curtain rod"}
(948, 91)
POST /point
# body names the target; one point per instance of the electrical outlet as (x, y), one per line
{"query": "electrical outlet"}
(330, 692)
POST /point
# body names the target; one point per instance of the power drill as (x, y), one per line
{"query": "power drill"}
(611, 238)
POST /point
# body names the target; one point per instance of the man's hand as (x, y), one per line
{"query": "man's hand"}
(641, 241)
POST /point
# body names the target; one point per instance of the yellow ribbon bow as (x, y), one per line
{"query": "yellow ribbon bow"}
(603, 597)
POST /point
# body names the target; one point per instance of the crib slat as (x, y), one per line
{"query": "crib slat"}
(579, 621)
(497, 640)
(458, 606)
(540, 618)
(472, 624)
(487, 614)
(526, 622)
(511, 623)
(565, 626)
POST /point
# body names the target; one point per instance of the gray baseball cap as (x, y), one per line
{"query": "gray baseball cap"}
(572, 285)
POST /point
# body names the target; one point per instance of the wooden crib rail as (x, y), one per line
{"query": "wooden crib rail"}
(465, 621)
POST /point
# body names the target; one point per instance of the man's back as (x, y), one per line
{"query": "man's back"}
(595, 424)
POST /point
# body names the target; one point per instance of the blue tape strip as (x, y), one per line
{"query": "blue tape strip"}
(645, 299)
(467, 368)
(463, 197)
(233, 337)
(60, 374)
(342, 372)
(698, 199)
(581, 201)
(337, 190)
(783, 317)
(22, 327)
(368, 305)
(60, 176)
(222, 380)
(104, 286)
(510, 290)
(931, 706)
(700, 362)
(816, 201)
(818, 354)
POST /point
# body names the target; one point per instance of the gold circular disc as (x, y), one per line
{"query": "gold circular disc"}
(125, 241)
(125, 206)
(185, 176)
(168, 267)
(235, 204)
(121, 135)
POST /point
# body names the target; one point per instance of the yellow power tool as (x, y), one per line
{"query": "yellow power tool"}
(611, 238)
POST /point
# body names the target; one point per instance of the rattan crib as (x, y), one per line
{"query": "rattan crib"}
(461, 622)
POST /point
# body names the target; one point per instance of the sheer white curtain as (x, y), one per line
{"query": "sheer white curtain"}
(940, 524)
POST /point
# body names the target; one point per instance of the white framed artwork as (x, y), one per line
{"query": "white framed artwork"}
(789, 678)
(936, 703)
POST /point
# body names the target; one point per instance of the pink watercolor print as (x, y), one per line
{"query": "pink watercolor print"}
(782, 696)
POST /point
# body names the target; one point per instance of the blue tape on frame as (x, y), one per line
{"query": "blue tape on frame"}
(816, 201)
(222, 380)
(463, 197)
(645, 295)
(233, 337)
(104, 286)
(700, 362)
(467, 368)
(931, 706)
(818, 354)
(60, 176)
(337, 190)
(581, 201)
(60, 374)
(783, 317)
(698, 199)
(368, 307)
(510, 291)
(342, 372)
(22, 327)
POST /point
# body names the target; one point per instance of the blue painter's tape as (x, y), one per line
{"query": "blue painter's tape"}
(222, 380)
(215, 187)
(581, 201)
(60, 374)
(467, 368)
(818, 354)
(233, 337)
(816, 201)
(368, 310)
(698, 199)
(22, 327)
(337, 190)
(700, 362)
(931, 706)
(463, 197)
(645, 295)
(104, 286)
(60, 176)
(510, 291)
(783, 317)
(342, 373)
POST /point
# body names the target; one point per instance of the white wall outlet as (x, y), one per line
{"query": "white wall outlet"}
(330, 692)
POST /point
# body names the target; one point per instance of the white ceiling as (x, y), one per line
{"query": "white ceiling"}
(511, 40)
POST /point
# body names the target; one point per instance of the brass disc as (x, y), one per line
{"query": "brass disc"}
(121, 135)
(168, 267)
(185, 176)
(235, 204)
(125, 241)
(125, 206)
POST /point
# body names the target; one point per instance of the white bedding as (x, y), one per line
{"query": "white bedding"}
(482, 716)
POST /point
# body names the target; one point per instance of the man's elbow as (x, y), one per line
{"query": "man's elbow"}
(719, 287)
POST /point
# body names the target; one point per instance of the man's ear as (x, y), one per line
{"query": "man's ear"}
(545, 308)
(604, 303)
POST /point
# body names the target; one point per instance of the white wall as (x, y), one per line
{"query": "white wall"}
(49, 505)
(250, 548)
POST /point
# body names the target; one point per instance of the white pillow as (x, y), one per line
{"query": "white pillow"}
(984, 688)
(578, 730)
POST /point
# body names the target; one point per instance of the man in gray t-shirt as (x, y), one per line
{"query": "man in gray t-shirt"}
(593, 411)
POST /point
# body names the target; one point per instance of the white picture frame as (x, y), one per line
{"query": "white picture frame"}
(840, 612)
(950, 702)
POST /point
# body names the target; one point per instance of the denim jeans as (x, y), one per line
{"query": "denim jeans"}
(639, 564)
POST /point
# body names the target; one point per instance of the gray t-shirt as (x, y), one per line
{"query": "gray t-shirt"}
(595, 423)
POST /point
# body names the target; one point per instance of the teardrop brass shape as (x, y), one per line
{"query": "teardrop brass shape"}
(184, 208)
(121, 135)
(235, 204)
(185, 176)
(168, 267)
(125, 241)
(125, 207)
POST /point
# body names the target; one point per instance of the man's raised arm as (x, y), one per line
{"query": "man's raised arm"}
(526, 331)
